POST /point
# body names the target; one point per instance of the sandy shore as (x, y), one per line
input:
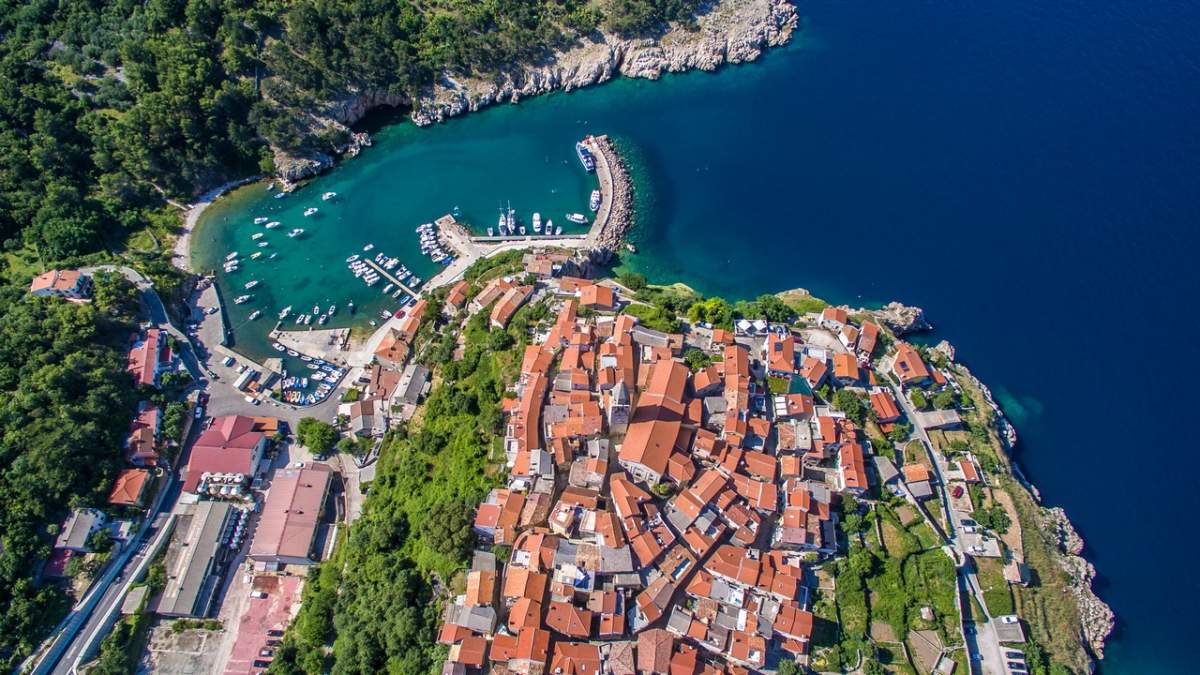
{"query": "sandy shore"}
(181, 255)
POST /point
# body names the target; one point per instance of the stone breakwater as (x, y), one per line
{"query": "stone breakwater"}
(616, 207)
(728, 31)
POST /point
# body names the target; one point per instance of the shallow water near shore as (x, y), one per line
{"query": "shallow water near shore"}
(1025, 172)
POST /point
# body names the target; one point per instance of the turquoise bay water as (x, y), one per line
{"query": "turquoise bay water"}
(1024, 171)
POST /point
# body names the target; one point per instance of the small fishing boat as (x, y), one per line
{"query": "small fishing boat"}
(316, 309)
(281, 195)
(284, 312)
(260, 220)
(242, 299)
(255, 314)
(264, 244)
(577, 218)
(594, 201)
(251, 284)
(272, 256)
(368, 247)
(292, 352)
(350, 307)
(549, 227)
(489, 231)
(256, 255)
(558, 230)
(537, 222)
(522, 229)
(278, 347)
(328, 195)
(332, 310)
(296, 232)
(231, 256)
(321, 320)
(257, 235)
(352, 258)
(272, 225)
(310, 211)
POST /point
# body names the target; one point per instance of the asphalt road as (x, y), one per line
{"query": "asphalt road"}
(983, 647)
(117, 577)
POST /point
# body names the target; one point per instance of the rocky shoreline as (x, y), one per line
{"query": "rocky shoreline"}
(1096, 618)
(728, 31)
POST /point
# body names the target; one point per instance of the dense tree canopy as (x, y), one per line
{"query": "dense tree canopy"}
(64, 405)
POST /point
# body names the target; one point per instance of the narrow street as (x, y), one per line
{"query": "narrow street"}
(983, 646)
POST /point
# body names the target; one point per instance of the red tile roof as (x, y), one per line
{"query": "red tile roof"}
(227, 446)
(129, 487)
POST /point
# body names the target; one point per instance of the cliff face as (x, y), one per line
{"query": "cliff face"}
(729, 31)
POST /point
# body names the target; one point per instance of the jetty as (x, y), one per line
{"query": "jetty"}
(388, 275)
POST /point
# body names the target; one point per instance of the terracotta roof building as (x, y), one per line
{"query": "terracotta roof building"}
(656, 423)
(130, 488)
(70, 284)
(287, 530)
(231, 444)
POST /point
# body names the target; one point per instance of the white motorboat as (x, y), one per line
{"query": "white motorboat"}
(489, 231)
(281, 195)
(256, 255)
(537, 222)
(577, 218)
(328, 195)
(296, 232)
(594, 201)
(272, 225)
(368, 247)
(260, 220)
(332, 310)
(264, 244)
(255, 314)
(242, 299)
(232, 255)
(388, 288)
(352, 258)
(522, 229)
(316, 309)
(257, 235)
(549, 227)
(251, 284)
(284, 312)
(309, 211)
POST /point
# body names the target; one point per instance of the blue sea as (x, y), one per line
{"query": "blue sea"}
(1027, 171)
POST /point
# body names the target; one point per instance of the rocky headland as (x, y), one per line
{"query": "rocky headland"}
(727, 31)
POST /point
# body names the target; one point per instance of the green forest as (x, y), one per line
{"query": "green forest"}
(108, 108)
(374, 601)
(64, 407)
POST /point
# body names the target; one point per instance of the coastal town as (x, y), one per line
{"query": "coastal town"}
(723, 496)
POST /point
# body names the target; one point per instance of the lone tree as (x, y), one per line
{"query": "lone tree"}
(317, 436)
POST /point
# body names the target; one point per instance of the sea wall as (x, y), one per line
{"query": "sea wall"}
(728, 31)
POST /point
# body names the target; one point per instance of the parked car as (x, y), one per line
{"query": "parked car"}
(258, 594)
(1015, 655)
(1011, 618)
(275, 633)
(1016, 667)
(956, 491)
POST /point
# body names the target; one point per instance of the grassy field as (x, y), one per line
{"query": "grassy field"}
(995, 588)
